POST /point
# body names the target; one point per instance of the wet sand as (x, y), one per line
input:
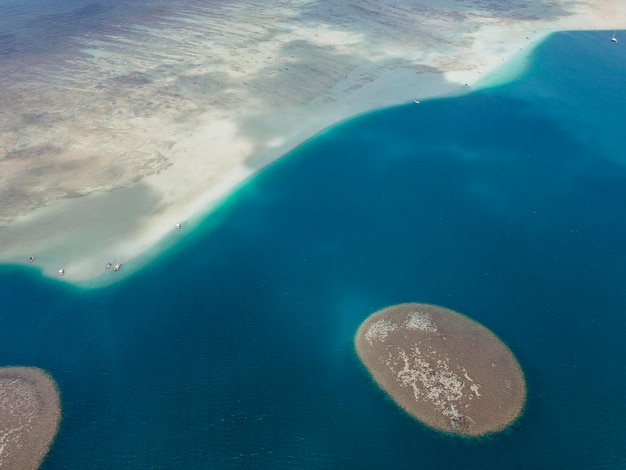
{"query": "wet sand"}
(29, 416)
(109, 143)
(442, 368)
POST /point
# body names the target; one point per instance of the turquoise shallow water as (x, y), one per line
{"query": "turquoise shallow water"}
(234, 349)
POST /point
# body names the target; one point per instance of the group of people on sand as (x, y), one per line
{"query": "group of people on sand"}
(116, 267)
(108, 266)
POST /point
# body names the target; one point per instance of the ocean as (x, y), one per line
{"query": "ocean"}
(234, 349)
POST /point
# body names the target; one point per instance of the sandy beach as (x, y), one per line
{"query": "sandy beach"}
(108, 144)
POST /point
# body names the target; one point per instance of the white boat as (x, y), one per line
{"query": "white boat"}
(416, 101)
(117, 266)
(61, 272)
(613, 38)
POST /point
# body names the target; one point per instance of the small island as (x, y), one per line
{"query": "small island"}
(442, 368)
(30, 412)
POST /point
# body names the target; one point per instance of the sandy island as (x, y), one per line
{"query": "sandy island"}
(442, 368)
(108, 144)
(30, 412)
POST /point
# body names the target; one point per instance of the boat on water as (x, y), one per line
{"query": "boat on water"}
(416, 101)
(61, 272)
(613, 38)
(117, 266)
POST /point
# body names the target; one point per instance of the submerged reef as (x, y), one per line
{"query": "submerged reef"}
(441, 367)
(30, 412)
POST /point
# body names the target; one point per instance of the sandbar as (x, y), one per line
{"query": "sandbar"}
(30, 412)
(109, 143)
(442, 368)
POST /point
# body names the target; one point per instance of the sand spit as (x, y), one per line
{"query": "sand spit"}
(29, 416)
(442, 368)
(110, 142)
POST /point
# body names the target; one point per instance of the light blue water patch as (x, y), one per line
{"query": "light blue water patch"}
(235, 349)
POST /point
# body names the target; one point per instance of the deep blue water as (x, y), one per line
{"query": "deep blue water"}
(234, 349)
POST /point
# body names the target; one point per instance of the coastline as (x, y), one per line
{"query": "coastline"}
(173, 164)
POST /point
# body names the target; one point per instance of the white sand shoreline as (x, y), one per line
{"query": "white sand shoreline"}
(293, 78)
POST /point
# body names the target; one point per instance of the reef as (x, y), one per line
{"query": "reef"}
(444, 369)
(30, 412)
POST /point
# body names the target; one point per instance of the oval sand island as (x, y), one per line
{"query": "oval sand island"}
(442, 368)
(30, 412)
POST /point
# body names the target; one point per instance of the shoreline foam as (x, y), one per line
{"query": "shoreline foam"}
(255, 94)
